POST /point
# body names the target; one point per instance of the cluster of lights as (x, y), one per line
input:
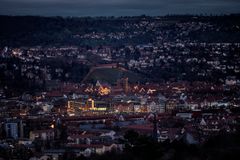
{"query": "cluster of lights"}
(104, 91)
(101, 90)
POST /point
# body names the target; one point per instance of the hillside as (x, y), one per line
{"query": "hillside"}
(111, 75)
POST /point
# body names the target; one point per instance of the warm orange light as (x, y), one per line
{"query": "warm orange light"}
(104, 91)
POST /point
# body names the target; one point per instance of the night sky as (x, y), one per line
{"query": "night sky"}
(117, 7)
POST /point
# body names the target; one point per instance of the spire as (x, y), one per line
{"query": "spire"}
(98, 84)
(203, 122)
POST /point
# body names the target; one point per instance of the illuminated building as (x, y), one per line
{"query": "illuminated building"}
(151, 91)
(90, 104)
(76, 107)
(171, 105)
(123, 107)
(103, 89)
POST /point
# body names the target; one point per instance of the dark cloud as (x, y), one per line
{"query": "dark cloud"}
(117, 7)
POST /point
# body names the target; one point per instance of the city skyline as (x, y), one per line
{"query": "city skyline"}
(119, 79)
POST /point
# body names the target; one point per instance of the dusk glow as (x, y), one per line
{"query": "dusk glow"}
(117, 7)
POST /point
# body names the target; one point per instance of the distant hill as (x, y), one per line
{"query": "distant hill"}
(18, 31)
(111, 73)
